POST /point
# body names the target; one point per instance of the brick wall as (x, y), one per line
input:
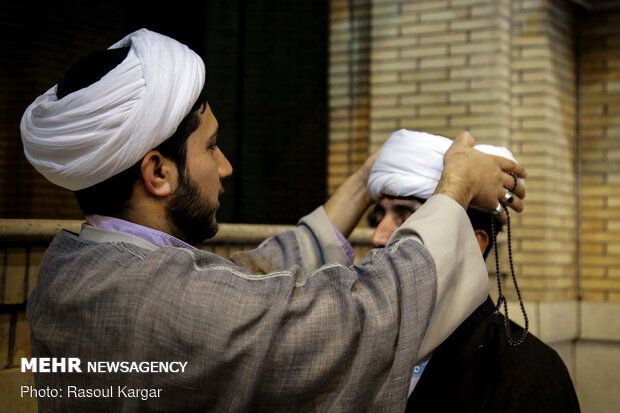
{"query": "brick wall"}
(599, 120)
(543, 132)
(505, 70)
(440, 66)
(349, 88)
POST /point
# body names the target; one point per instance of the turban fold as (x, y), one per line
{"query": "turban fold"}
(98, 131)
(411, 163)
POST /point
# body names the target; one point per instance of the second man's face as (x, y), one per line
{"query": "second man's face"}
(388, 214)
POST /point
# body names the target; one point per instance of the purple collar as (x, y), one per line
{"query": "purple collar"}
(155, 237)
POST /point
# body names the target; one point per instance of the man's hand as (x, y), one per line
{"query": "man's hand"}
(473, 178)
(364, 172)
(348, 204)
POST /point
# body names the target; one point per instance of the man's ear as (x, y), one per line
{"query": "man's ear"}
(159, 174)
(483, 239)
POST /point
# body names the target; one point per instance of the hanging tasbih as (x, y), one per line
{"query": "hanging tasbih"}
(502, 299)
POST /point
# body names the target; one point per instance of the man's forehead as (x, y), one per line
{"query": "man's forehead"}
(209, 119)
(388, 201)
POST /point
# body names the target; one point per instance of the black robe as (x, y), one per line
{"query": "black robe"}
(476, 370)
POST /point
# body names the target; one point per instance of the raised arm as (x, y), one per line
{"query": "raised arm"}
(314, 242)
(348, 204)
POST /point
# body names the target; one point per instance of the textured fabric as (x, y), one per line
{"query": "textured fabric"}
(161, 239)
(283, 337)
(158, 238)
(103, 129)
(445, 229)
(411, 163)
(346, 246)
(475, 370)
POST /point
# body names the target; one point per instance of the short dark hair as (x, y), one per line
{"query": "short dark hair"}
(109, 197)
(482, 220)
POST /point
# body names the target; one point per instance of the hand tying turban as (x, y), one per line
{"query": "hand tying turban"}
(411, 163)
(98, 131)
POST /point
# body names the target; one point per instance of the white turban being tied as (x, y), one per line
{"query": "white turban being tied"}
(411, 163)
(98, 131)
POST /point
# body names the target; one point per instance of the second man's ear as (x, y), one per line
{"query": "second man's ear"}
(159, 174)
(483, 239)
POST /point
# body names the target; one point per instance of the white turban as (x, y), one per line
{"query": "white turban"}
(98, 131)
(411, 163)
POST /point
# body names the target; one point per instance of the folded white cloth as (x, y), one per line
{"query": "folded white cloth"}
(411, 163)
(101, 130)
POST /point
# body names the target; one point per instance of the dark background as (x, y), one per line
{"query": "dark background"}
(266, 80)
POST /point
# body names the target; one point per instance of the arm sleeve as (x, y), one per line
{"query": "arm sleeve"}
(355, 328)
(351, 333)
(442, 225)
(312, 244)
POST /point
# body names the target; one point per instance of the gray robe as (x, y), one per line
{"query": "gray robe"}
(288, 327)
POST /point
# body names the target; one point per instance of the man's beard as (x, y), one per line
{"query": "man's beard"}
(191, 215)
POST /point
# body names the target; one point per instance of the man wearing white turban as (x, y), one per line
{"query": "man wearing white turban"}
(476, 369)
(290, 326)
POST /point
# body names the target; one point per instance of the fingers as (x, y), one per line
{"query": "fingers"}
(509, 182)
(509, 166)
(463, 142)
(364, 171)
(508, 199)
(516, 204)
(464, 138)
(512, 180)
(503, 218)
(474, 178)
(501, 186)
